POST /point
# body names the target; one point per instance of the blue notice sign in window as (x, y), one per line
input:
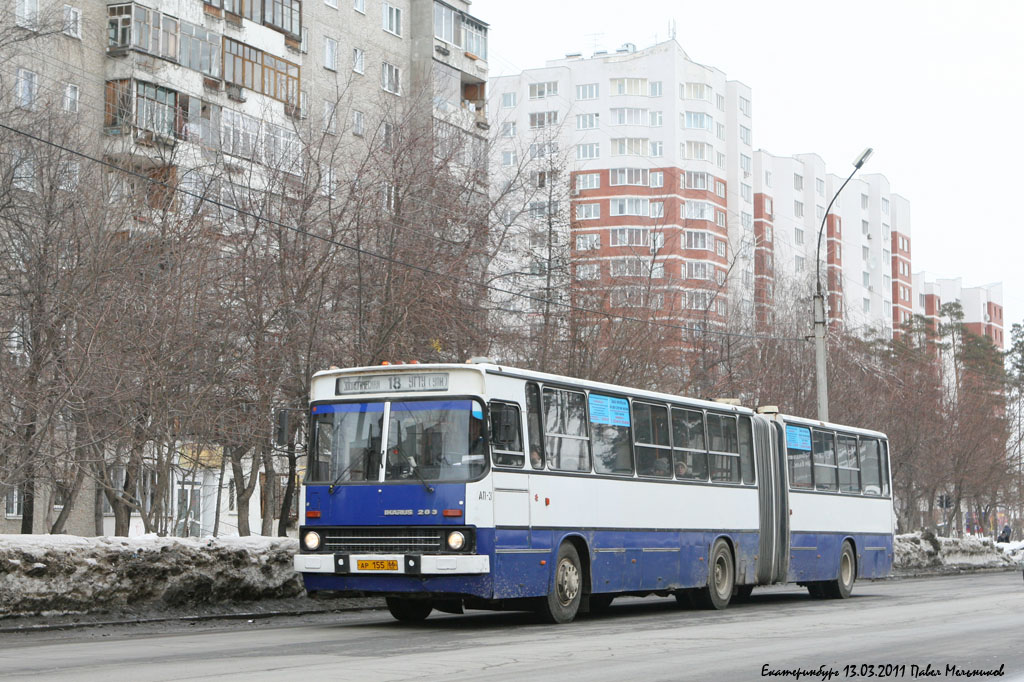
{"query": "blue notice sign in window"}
(798, 437)
(607, 410)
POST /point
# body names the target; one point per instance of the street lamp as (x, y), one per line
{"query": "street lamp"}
(821, 375)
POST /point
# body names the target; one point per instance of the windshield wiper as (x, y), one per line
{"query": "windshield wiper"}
(416, 470)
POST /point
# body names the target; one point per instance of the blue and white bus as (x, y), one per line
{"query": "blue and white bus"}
(453, 486)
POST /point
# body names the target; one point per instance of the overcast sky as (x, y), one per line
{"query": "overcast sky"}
(935, 86)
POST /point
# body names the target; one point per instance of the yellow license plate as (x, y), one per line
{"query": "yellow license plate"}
(386, 565)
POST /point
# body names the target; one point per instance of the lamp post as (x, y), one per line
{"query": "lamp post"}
(821, 374)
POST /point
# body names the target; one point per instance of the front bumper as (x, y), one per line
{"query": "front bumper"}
(405, 564)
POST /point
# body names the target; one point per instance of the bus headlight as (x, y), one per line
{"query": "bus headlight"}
(311, 540)
(456, 540)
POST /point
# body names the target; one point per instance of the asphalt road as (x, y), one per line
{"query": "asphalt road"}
(970, 621)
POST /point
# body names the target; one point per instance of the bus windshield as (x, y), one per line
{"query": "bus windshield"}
(437, 440)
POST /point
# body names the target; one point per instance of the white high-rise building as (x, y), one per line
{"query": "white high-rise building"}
(656, 151)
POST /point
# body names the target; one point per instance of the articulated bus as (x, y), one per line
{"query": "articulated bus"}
(445, 487)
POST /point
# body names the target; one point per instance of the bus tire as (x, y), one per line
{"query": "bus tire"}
(409, 610)
(563, 600)
(842, 586)
(721, 578)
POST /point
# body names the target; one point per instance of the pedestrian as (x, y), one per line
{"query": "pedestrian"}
(1005, 535)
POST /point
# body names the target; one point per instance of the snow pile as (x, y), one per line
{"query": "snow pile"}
(63, 573)
(926, 550)
(1014, 550)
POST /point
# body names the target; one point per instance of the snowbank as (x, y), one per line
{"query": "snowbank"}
(46, 574)
(62, 573)
(926, 550)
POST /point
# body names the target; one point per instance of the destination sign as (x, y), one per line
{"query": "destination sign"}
(391, 383)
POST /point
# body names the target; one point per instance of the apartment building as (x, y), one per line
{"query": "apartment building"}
(865, 244)
(982, 306)
(229, 97)
(655, 150)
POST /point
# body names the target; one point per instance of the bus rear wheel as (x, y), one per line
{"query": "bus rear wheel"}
(721, 578)
(842, 586)
(563, 600)
(409, 610)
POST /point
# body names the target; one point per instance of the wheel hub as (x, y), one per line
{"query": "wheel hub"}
(567, 582)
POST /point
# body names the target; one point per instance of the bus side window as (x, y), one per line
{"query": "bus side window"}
(506, 443)
(825, 477)
(609, 428)
(869, 466)
(746, 450)
(534, 428)
(883, 466)
(849, 471)
(724, 446)
(691, 457)
(653, 451)
(798, 445)
(566, 440)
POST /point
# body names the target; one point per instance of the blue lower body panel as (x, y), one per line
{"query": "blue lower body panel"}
(815, 556)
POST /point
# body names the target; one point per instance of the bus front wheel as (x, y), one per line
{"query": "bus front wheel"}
(563, 600)
(721, 578)
(409, 610)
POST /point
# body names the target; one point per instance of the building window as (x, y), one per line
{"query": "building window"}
(698, 120)
(358, 123)
(359, 6)
(798, 209)
(588, 181)
(657, 149)
(508, 158)
(798, 182)
(72, 22)
(745, 106)
(333, 4)
(698, 151)
(156, 109)
(588, 242)
(629, 146)
(696, 180)
(586, 121)
(746, 192)
(508, 129)
(330, 53)
(588, 271)
(358, 60)
(629, 206)
(698, 210)
(720, 102)
(819, 186)
(239, 133)
(588, 91)
(390, 78)
(251, 68)
(543, 90)
(330, 118)
(392, 18)
(588, 211)
(864, 201)
(629, 86)
(656, 118)
(26, 13)
(508, 100)
(70, 103)
(26, 89)
(720, 218)
(720, 248)
(588, 151)
(657, 179)
(543, 119)
(24, 171)
(698, 91)
(629, 176)
(745, 135)
(284, 15)
(200, 49)
(657, 209)
(655, 90)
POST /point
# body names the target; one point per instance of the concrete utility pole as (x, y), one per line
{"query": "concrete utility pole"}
(821, 368)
